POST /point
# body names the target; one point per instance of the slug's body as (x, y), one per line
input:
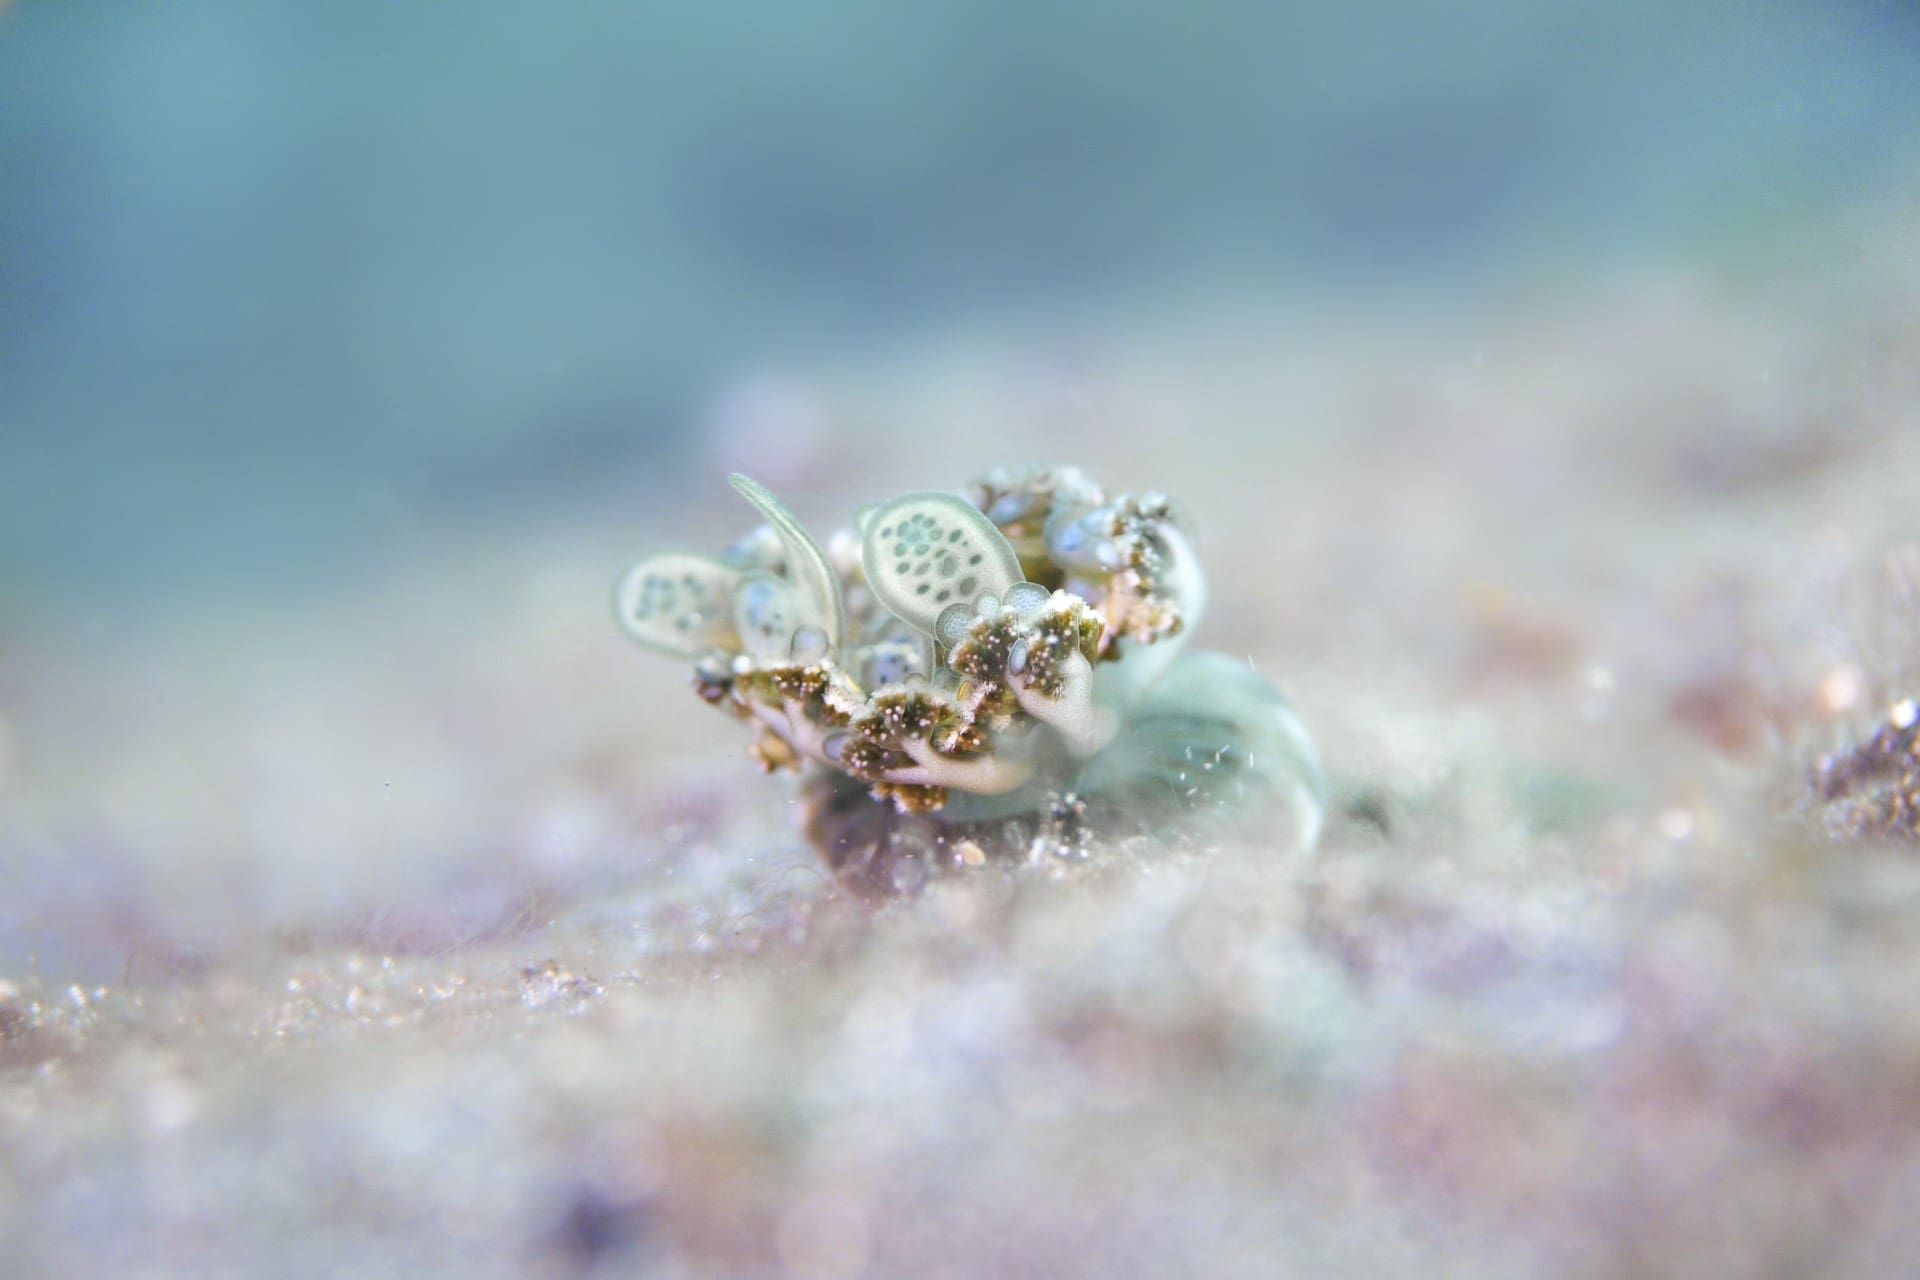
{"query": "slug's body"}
(972, 659)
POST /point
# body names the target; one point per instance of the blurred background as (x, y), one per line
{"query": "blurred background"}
(284, 287)
(347, 351)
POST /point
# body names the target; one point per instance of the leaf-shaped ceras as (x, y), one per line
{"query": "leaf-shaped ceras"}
(927, 551)
(678, 604)
(940, 565)
(802, 616)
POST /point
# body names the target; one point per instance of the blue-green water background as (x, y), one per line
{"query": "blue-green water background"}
(280, 282)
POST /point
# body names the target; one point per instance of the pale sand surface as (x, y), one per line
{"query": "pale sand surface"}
(419, 926)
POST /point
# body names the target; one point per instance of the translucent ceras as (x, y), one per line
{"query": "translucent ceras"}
(992, 658)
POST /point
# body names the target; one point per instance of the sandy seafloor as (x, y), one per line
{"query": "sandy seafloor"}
(415, 924)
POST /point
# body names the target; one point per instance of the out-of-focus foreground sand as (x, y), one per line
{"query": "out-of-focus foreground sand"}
(422, 927)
